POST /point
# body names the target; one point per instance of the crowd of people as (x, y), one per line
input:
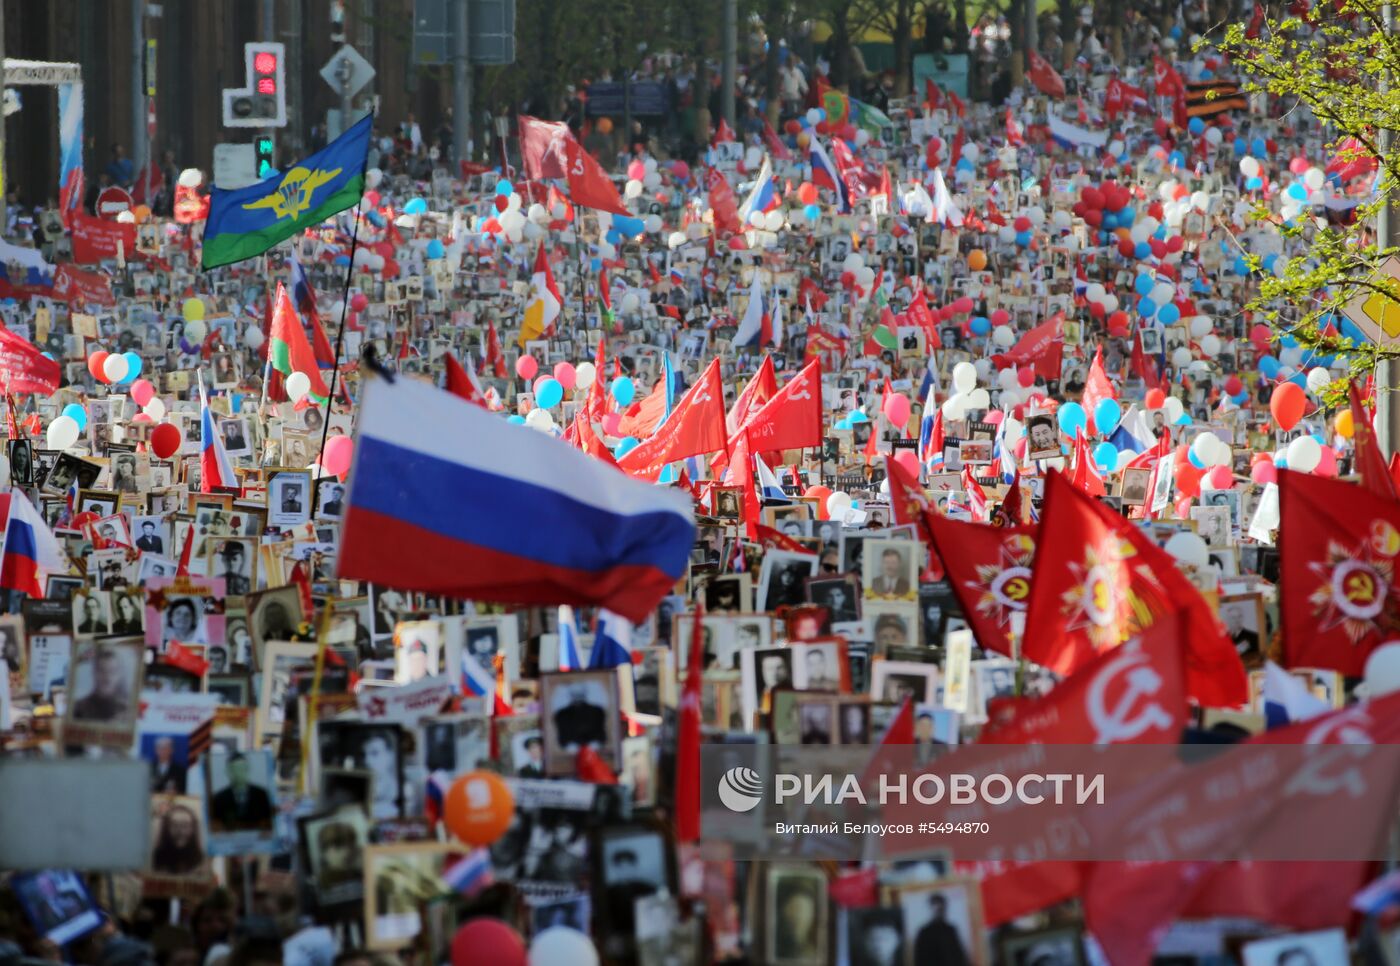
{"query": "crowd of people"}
(418, 561)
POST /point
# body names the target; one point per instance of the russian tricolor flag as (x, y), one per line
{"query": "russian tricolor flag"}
(30, 546)
(447, 498)
(825, 175)
(763, 197)
(569, 659)
(612, 642)
(214, 466)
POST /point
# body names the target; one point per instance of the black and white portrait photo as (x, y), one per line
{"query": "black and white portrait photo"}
(579, 709)
(289, 499)
(839, 595)
(783, 580)
(795, 916)
(241, 790)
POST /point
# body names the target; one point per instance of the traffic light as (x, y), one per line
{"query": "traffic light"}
(263, 150)
(263, 102)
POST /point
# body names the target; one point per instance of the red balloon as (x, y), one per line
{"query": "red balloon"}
(526, 367)
(1188, 480)
(488, 941)
(1022, 224)
(1175, 243)
(1126, 248)
(166, 440)
(1094, 216)
(964, 304)
(1220, 478)
(1001, 317)
(1092, 197)
(819, 495)
(1263, 471)
(1026, 377)
(95, 365)
(793, 126)
(1287, 405)
(1154, 398)
(1233, 385)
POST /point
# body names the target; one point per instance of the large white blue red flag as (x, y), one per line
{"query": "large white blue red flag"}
(31, 549)
(612, 642)
(214, 466)
(447, 498)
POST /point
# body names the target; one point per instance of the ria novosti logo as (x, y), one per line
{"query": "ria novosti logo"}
(740, 789)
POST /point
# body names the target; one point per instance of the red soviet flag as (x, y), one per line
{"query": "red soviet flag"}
(910, 506)
(688, 740)
(722, 203)
(762, 387)
(1338, 548)
(542, 148)
(589, 184)
(24, 367)
(922, 316)
(1370, 461)
(1099, 580)
(989, 571)
(463, 384)
(1043, 76)
(1084, 475)
(792, 419)
(1097, 387)
(1129, 905)
(1042, 347)
(1132, 694)
(695, 426)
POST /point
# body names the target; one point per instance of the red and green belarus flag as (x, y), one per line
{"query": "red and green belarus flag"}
(288, 349)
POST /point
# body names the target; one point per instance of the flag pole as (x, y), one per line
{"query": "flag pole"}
(344, 309)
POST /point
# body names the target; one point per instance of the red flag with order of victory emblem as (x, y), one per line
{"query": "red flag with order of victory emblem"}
(989, 570)
(1338, 545)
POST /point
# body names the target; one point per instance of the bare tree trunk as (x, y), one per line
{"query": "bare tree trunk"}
(1016, 15)
(903, 47)
(772, 82)
(1069, 35)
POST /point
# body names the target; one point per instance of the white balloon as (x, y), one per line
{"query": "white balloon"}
(633, 189)
(1304, 453)
(1110, 303)
(1201, 325)
(1003, 337)
(540, 419)
(837, 504)
(513, 202)
(560, 945)
(193, 177)
(532, 231)
(298, 385)
(537, 214)
(114, 368)
(196, 330)
(972, 152)
(978, 399)
(1181, 357)
(631, 302)
(1163, 292)
(1318, 380)
(964, 377)
(983, 365)
(773, 221)
(676, 240)
(1095, 292)
(1189, 549)
(756, 219)
(1314, 179)
(653, 224)
(373, 176)
(853, 261)
(584, 374)
(62, 432)
(1249, 167)
(155, 408)
(1125, 456)
(955, 406)
(1210, 345)
(1174, 409)
(1006, 379)
(652, 181)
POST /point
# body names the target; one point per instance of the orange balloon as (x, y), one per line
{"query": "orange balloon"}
(604, 125)
(478, 807)
(141, 213)
(1344, 424)
(977, 259)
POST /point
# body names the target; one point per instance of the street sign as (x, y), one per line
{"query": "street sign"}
(360, 71)
(492, 32)
(235, 165)
(112, 201)
(1374, 313)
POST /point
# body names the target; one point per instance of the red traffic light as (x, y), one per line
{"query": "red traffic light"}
(267, 85)
(265, 63)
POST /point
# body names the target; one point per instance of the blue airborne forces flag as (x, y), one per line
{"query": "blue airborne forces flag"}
(244, 222)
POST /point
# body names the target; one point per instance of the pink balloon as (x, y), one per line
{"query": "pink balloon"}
(908, 459)
(1001, 317)
(142, 392)
(1220, 478)
(897, 409)
(1263, 472)
(336, 459)
(611, 422)
(526, 367)
(1327, 466)
(142, 418)
(566, 375)
(538, 381)
(636, 171)
(680, 169)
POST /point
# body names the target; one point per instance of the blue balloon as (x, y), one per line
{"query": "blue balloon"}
(813, 212)
(415, 206)
(504, 188)
(626, 446)
(1240, 146)
(1184, 419)
(549, 394)
(1072, 418)
(133, 367)
(1141, 250)
(1195, 460)
(623, 390)
(1176, 159)
(980, 325)
(1106, 415)
(1144, 284)
(1146, 308)
(858, 416)
(1259, 148)
(1297, 191)
(1023, 238)
(1126, 217)
(1106, 455)
(1169, 314)
(842, 424)
(78, 414)
(615, 237)
(516, 418)
(1254, 184)
(341, 260)
(435, 248)
(1196, 126)
(631, 227)
(1268, 366)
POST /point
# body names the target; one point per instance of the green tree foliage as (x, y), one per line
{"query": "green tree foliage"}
(1340, 64)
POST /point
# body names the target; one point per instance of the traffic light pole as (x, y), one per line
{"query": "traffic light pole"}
(138, 85)
(461, 81)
